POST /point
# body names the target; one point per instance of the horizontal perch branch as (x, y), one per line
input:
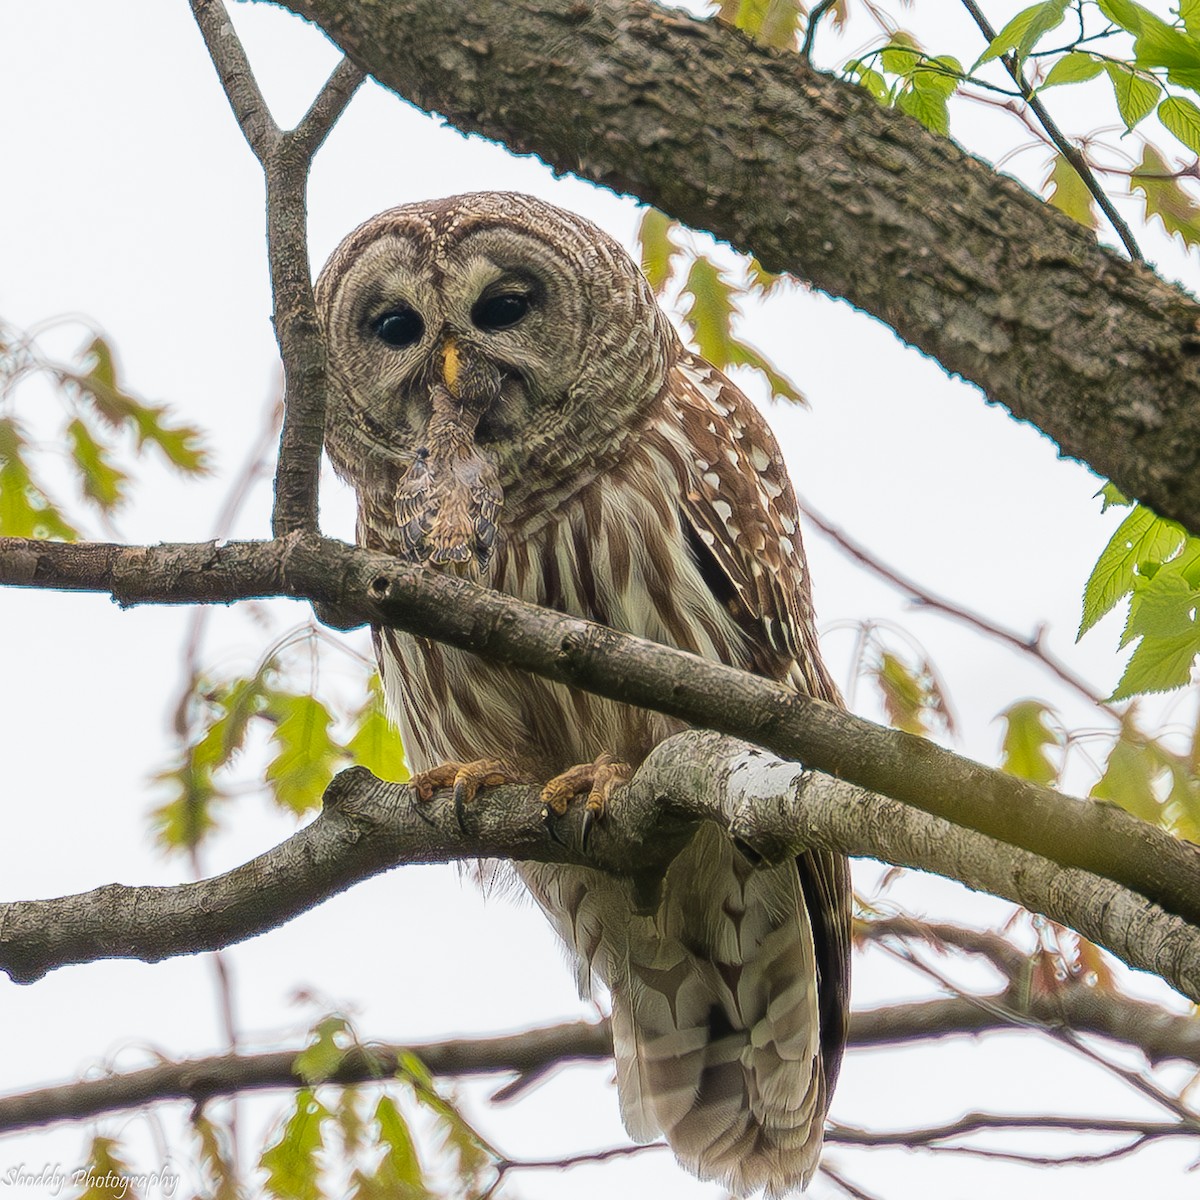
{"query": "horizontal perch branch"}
(772, 808)
(362, 586)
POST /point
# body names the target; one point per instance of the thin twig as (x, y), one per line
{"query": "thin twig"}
(1067, 149)
(1059, 1032)
(1033, 645)
(810, 33)
(853, 1190)
(286, 158)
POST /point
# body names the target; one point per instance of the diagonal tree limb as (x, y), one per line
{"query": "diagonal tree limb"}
(366, 587)
(815, 178)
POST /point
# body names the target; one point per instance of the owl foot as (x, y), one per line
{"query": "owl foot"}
(465, 778)
(596, 778)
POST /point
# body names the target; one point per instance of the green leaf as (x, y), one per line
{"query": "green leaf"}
(321, 1058)
(1069, 193)
(711, 318)
(1075, 67)
(1189, 10)
(712, 309)
(938, 76)
(25, 509)
(399, 1172)
(181, 445)
(1024, 31)
(1129, 776)
(901, 55)
(1159, 664)
(762, 281)
(1162, 606)
(467, 1151)
(870, 79)
(903, 695)
(1136, 94)
(1182, 118)
(292, 1162)
(188, 816)
(1028, 740)
(101, 480)
(928, 107)
(374, 743)
(1111, 496)
(912, 698)
(106, 1176)
(307, 755)
(658, 250)
(1165, 197)
(770, 22)
(1142, 537)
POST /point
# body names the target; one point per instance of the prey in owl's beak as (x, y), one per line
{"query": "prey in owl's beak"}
(448, 502)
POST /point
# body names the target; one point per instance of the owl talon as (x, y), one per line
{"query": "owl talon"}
(597, 779)
(465, 778)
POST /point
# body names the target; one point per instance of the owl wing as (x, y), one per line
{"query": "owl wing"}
(741, 509)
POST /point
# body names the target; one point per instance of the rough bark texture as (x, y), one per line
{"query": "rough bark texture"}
(774, 809)
(815, 178)
(1098, 838)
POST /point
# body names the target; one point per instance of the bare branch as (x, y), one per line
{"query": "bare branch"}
(286, 158)
(1032, 645)
(1097, 838)
(977, 1122)
(1159, 1034)
(1008, 959)
(233, 69)
(771, 808)
(531, 1055)
(199, 1080)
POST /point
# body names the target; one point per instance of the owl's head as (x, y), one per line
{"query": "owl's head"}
(549, 315)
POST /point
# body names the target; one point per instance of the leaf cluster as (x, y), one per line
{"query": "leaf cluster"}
(103, 422)
(306, 747)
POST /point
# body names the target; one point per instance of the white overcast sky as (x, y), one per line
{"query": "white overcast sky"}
(129, 197)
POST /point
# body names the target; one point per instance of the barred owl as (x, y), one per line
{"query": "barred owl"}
(509, 401)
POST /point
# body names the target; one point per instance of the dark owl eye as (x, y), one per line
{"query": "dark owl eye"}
(502, 311)
(400, 327)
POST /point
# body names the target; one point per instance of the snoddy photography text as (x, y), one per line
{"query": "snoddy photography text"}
(52, 1178)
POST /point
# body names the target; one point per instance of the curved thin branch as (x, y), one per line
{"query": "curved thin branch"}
(1032, 645)
(1067, 149)
(815, 178)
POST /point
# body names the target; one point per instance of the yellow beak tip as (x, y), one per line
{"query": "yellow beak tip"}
(451, 364)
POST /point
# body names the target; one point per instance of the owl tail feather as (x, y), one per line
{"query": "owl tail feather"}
(715, 1021)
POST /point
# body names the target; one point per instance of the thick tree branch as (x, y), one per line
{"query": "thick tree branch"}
(771, 808)
(285, 157)
(817, 179)
(1096, 837)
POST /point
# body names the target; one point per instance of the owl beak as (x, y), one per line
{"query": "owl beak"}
(451, 365)
(469, 377)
